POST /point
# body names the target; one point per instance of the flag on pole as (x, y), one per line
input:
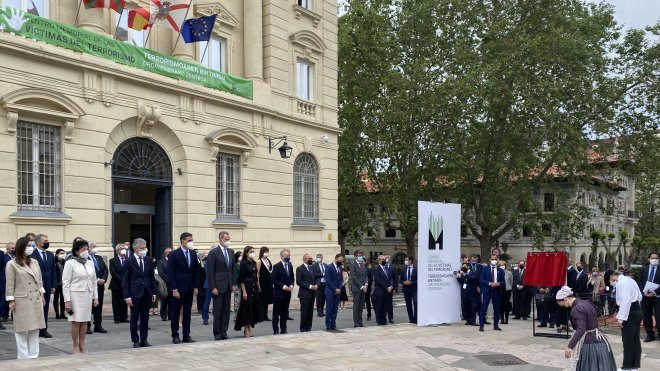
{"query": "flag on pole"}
(138, 19)
(198, 29)
(170, 13)
(116, 5)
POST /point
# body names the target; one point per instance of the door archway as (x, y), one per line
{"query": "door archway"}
(142, 194)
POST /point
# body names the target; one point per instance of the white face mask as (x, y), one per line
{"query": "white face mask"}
(318, 260)
(84, 254)
(190, 245)
(143, 253)
(29, 250)
(227, 244)
(252, 255)
(61, 256)
(653, 262)
(265, 255)
(493, 262)
(122, 252)
(240, 258)
(94, 251)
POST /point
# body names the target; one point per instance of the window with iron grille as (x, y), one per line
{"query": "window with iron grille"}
(38, 172)
(305, 189)
(228, 182)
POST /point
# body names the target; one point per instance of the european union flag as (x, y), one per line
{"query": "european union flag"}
(198, 29)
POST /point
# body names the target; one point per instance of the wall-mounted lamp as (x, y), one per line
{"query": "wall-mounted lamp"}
(111, 162)
(285, 149)
(178, 170)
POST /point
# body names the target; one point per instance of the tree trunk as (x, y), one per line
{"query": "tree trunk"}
(593, 257)
(486, 245)
(410, 245)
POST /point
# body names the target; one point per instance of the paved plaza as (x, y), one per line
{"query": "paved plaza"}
(395, 347)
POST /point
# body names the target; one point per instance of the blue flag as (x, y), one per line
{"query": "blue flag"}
(198, 29)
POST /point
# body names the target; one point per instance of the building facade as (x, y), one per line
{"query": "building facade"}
(93, 148)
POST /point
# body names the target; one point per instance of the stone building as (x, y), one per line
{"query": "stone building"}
(94, 148)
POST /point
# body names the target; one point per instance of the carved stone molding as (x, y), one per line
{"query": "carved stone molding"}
(224, 16)
(299, 11)
(68, 130)
(308, 39)
(231, 140)
(108, 90)
(148, 116)
(12, 119)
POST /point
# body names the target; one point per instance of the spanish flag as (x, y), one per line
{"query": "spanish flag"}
(138, 19)
(116, 5)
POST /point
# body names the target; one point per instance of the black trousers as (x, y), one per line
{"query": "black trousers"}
(119, 307)
(473, 307)
(649, 307)
(185, 301)
(390, 306)
(505, 305)
(367, 302)
(97, 311)
(632, 346)
(320, 298)
(58, 302)
(221, 306)
(280, 313)
(306, 313)
(164, 307)
(411, 305)
(380, 308)
(522, 303)
(140, 313)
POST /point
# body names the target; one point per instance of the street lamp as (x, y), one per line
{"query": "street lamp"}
(285, 149)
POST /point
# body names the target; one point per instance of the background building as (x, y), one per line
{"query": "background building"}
(93, 148)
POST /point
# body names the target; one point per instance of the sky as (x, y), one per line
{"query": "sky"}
(636, 13)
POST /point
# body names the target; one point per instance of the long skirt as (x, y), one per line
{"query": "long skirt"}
(596, 357)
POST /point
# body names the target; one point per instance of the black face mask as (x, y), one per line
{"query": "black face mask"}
(339, 264)
(464, 269)
(310, 261)
(579, 269)
(521, 266)
(382, 263)
(46, 245)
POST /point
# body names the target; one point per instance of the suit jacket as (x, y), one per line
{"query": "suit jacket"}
(48, 269)
(3, 264)
(280, 279)
(486, 279)
(304, 279)
(318, 273)
(370, 280)
(571, 277)
(117, 273)
(392, 271)
(359, 276)
(381, 280)
(102, 270)
(333, 279)
(181, 275)
(78, 278)
(643, 277)
(162, 270)
(581, 281)
(136, 281)
(219, 275)
(413, 279)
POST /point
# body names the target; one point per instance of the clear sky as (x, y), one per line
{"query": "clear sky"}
(636, 13)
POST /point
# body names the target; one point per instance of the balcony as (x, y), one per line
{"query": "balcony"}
(305, 108)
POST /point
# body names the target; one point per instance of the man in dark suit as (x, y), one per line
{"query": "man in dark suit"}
(332, 291)
(409, 282)
(306, 281)
(395, 285)
(101, 278)
(3, 282)
(162, 272)
(581, 281)
(283, 280)
(183, 274)
(119, 308)
(219, 274)
(367, 296)
(319, 273)
(48, 265)
(359, 277)
(492, 281)
(382, 290)
(469, 295)
(139, 291)
(522, 295)
(650, 298)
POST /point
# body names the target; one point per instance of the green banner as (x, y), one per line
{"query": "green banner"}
(66, 36)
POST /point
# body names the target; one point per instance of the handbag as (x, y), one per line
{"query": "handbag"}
(161, 286)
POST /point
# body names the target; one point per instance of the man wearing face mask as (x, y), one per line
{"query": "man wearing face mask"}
(492, 281)
(333, 281)
(395, 286)
(628, 297)
(581, 280)
(48, 266)
(119, 308)
(649, 275)
(359, 277)
(319, 273)
(522, 295)
(220, 276)
(101, 278)
(283, 279)
(139, 291)
(409, 282)
(184, 276)
(383, 289)
(306, 292)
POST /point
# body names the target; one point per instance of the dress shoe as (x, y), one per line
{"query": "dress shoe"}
(543, 325)
(319, 315)
(355, 325)
(481, 328)
(176, 340)
(45, 334)
(525, 318)
(188, 339)
(224, 336)
(136, 345)
(2, 327)
(361, 325)
(267, 319)
(283, 332)
(206, 322)
(276, 332)
(144, 344)
(391, 321)
(649, 339)
(552, 325)
(497, 328)
(368, 318)
(100, 330)
(334, 327)
(516, 317)
(288, 318)
(328, 329)
(163, 319)
(117, 322)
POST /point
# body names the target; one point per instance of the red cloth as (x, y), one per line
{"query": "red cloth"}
(545, 269)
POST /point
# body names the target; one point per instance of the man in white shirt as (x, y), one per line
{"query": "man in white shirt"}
(630, 316)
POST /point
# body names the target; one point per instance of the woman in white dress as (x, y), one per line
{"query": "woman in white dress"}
(79, 289)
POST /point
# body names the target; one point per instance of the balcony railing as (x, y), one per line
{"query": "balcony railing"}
(306, 108)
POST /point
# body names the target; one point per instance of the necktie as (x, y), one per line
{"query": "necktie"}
(224, 251)
(141, 266)
(409, 272)
(494, 275)
(43, 256)
(121, 260)
(286, 268)
(96, 264)
(308, 270)
(322, 268)
(188, 257)
(652, 274)
(385, 271)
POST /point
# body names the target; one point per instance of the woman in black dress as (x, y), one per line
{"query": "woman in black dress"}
(264, 269)
(248, 309)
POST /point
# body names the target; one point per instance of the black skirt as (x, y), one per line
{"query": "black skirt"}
(343, 296)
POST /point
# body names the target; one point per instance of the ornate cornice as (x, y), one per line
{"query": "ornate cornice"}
(224, 16)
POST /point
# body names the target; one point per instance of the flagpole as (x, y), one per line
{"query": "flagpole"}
(204, 53)
(148, 34)
(184, 19)
(117, 26)
(75, 23)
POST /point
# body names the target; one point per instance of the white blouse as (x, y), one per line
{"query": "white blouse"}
(627, 292)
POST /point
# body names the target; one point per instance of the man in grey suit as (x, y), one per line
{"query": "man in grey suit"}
(219, 273)
(358, 287)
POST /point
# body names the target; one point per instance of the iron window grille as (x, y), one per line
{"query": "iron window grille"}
(228, 185)
(306, 189)
(39, 167)
(140, 158)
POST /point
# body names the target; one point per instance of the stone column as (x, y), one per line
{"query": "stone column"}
(253, 50)
(181, 49)
(95, 19)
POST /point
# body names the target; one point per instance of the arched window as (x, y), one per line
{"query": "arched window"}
(305, 189)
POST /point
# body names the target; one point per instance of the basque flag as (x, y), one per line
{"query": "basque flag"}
(116, 5)
(198, 29)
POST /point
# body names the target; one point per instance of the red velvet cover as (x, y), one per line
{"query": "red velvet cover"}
(545, 269)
